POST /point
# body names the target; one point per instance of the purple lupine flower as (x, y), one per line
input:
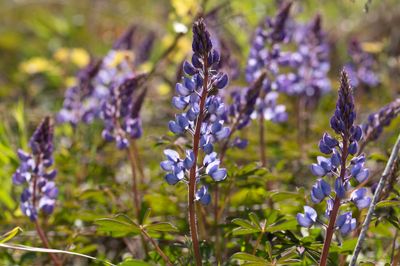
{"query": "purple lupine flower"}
(210, 107)
(83, 102)
(361, 68)
(308, 218)
(309, 63)
(360, 198)
(341, 148)
(377, 121)
(346, 223)
(36, 172)
(266, 56)
(120, 112)
(79, 105)
(320, 190)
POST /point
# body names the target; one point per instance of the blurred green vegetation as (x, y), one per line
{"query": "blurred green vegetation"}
(44, 43)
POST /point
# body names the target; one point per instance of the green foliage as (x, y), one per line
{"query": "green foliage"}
(43, 44)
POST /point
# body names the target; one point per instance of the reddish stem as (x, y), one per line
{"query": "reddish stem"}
(192, 177)
(39, 229)
(336, 204)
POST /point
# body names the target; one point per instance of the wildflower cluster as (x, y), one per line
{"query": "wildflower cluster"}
(345, 175)
(263, 64)
(310, 61)
(35, 172)
(79, 104)
(201, 117)
(120, 112)
(361, 68)
(97, 82)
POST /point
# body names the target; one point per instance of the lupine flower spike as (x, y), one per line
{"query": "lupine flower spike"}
(36, 172)
(373, 128)
(197, 96)
(37, 175)
(338, 169)
(361, 68)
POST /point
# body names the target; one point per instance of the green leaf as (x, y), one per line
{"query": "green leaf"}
(161, 227)
(245, 224)
(388, 203)
(117, 228)
(254, 218)
(244, 231)
(248, 257)
(10, 235)
(284, 195)
(132, 262)
(287, 225)
(146, 216)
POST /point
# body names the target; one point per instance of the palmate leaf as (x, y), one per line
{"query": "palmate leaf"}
(286, 225)
(10, 235)
(249, 258)
(245, 224)
(119, 226)
(161, 227)
(244, 231)
(388, 203)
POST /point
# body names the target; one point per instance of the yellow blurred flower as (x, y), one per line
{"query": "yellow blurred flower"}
(119, 57)
(78, 56)
(184, 8)
(163, 89)
(372, 47)
(39, 65)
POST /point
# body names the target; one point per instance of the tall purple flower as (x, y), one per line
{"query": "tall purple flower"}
(309, 62)
(79, 105)
(361, 68)
(197, 99)
(83, 102)
(120, 112)
(35, 172)
(342, 168)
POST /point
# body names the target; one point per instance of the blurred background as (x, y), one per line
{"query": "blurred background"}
(44, 43)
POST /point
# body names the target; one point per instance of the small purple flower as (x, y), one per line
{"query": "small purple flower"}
(320, 190)
(360, 199)
(308, 218)
(345, 223)
(203, 196)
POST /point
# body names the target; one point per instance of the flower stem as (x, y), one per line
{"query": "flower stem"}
(157, 247)
(192, 177)
(336, 204)
(135, 191)
(138, 160)
(39, 229)
(258, 241)
(46, 244)
(136, 199)
(386, 173)
(263, 157)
